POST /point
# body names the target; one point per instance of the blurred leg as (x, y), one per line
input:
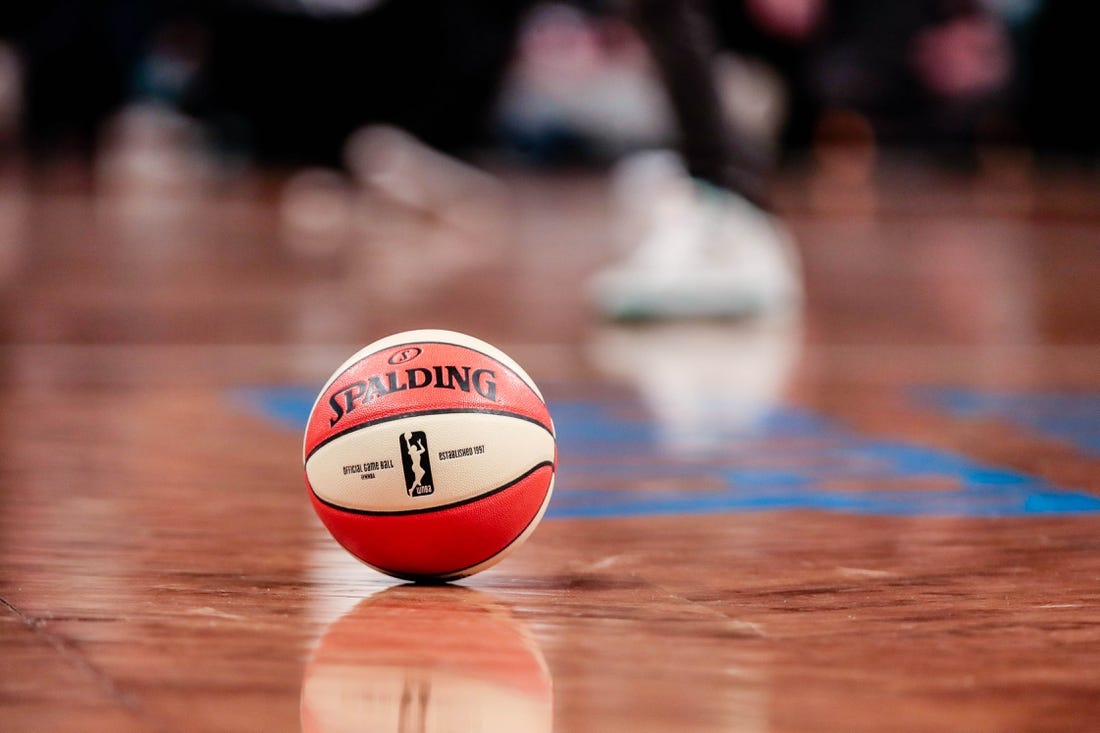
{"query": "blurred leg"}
(681, 38)
(703, 245)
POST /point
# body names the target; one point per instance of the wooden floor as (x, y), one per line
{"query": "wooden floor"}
(883, 515)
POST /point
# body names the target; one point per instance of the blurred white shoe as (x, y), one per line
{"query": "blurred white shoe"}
(703, 252)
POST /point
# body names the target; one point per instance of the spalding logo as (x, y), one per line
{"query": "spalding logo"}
(406, 354)
(463, 378)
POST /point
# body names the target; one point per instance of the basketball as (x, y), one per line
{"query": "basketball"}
(427, 659)
(430, 455)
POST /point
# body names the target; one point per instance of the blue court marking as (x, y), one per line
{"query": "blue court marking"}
(1070, 418)
(789, 459)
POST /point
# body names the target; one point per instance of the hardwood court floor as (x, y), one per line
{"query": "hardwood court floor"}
(884, 515)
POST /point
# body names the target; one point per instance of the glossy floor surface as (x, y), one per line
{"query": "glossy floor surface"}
(881, 515)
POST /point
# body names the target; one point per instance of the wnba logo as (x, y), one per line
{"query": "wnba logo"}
(414, 459)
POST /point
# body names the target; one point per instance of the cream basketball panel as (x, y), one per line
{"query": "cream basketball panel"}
(463, 454)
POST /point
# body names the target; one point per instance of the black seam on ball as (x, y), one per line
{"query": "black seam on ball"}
(451, 575)
(441, 507)
(420, 413)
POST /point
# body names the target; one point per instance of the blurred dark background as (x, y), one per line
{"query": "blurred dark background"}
(287, 81)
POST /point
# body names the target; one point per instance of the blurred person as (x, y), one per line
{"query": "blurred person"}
(289, 80)
(77, 57)
(923, 73)
(293, 80)
(711, 247)
(580, 88)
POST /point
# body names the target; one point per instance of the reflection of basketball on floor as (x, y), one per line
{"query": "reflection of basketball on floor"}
(430, 455)
(427, 660)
